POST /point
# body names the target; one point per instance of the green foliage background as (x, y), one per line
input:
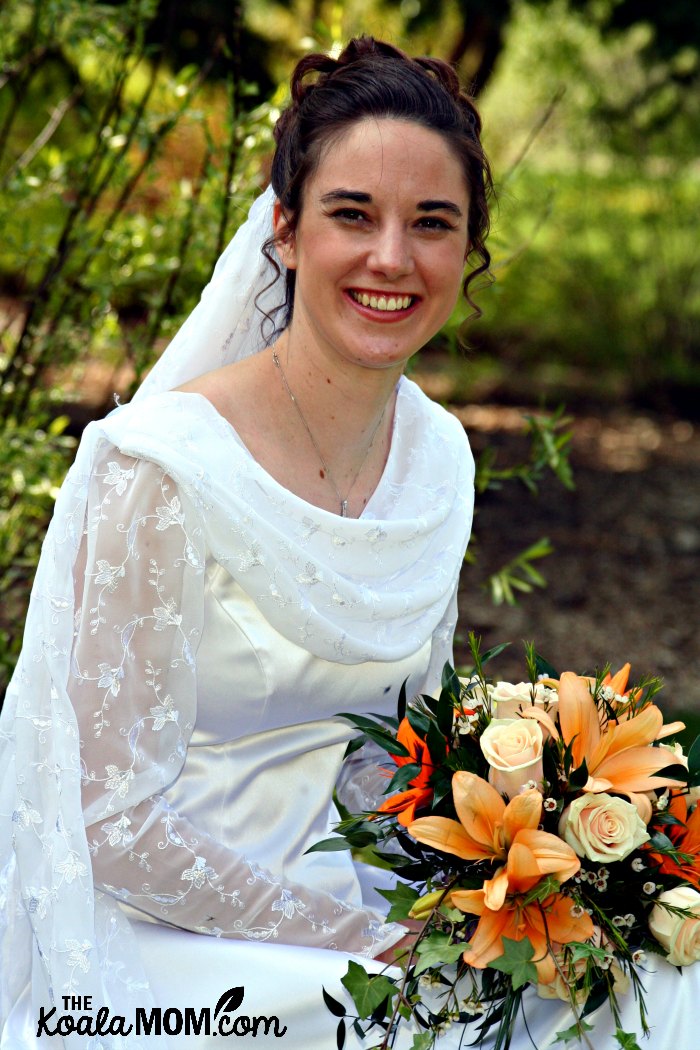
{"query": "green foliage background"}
(134, 133)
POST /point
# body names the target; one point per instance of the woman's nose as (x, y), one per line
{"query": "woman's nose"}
(391, 252)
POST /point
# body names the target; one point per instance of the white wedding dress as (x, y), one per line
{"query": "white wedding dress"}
(193, 685)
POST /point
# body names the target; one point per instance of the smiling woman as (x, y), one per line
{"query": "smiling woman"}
(270, 533)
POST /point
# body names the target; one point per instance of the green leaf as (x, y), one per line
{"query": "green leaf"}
(401, 899)
(544, 667)
(450, 681)
(661, 842)
(694, 763)
(331, 845)
(333, 1005)
(423, 1041)
(626, 1040)
(578, 777)
(403, 777)
(367, 992)
(437, 950)
(445, 713)
(418, 722)
(517, 961)
(569, 1035)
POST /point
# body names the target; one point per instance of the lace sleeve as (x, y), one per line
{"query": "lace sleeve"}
(139, 581)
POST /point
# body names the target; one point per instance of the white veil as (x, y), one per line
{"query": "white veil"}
(237, 310)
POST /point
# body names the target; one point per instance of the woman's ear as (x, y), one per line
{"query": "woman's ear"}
(285, 240)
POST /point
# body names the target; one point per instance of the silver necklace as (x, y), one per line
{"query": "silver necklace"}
(327, 470)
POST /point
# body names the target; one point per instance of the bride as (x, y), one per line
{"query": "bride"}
(269, 534)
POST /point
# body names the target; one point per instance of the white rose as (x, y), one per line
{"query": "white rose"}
(513, 750)
(678, 934)
(509, 700)
(602, 827)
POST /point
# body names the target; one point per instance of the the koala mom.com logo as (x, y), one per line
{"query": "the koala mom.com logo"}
(81, 1018)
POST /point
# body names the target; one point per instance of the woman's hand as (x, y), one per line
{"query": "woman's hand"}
(400, 951)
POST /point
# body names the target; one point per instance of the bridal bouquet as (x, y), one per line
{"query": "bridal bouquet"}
(545, 833)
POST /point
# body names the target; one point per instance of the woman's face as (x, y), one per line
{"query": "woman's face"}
(380, 244)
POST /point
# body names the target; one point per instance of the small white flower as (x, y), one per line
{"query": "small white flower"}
(649, 887)
(639, 956)
(576, 911)
(601, 885)
(630, 919)
(619, 920)
(638, 864)
(550, 804)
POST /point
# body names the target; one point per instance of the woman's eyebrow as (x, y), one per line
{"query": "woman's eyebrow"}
(440, 206)
(344, 195)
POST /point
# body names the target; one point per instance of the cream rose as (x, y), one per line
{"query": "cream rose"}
(602, 827)
(508, 700)
(678, 934)
(513, 749)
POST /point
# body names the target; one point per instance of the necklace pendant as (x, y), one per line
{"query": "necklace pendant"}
(343, 508)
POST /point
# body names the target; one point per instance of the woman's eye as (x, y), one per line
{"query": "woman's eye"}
(432, 222)
(349, 215)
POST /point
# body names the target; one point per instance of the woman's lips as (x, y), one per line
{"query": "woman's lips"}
(384, 305)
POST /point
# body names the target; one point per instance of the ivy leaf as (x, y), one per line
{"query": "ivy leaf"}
(625, 1040)
(424, 1041)
(336, 1008)
(437, 950)
(367, 992)
(401, 899)
(516, 961)
(568, 1035)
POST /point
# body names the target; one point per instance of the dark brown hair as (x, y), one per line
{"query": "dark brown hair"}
(373, 79)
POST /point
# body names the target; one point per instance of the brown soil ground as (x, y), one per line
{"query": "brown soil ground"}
(623, 579)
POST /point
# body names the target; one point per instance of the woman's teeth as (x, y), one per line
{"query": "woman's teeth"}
(383, 302)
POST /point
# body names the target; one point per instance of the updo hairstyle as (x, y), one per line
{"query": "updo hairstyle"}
(373, 79)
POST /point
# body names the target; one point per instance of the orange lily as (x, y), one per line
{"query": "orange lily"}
(685, 838)
(418, 794)
(551, 922)
(488, 829)
(618, 755)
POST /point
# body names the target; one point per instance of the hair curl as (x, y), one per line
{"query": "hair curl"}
(373, 79)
